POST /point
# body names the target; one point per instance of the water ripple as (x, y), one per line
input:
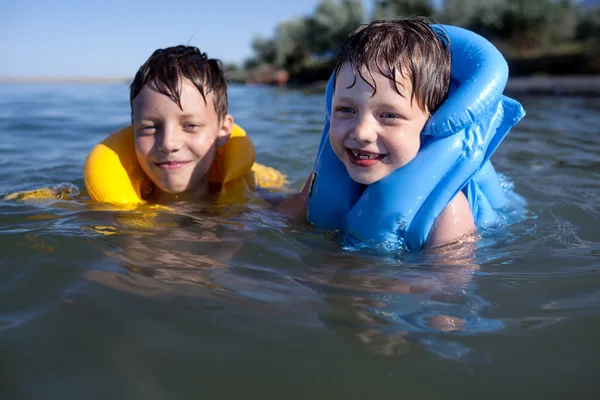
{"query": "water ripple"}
(96, 287)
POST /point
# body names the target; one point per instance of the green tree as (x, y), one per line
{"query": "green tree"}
(384, 9)
(588, 27)
(299, 39)
(530, 24)
(524, 24)
(291, 44)
(564, 15)
(251, 63)
(231, 67)
(332, 22)
(264, 49)
(588, 32)
(468, 13)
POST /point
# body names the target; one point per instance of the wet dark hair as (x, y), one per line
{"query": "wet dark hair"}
(408, 46)
(167, 68)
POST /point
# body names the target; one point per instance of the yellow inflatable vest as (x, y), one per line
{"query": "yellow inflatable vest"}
(113, 175)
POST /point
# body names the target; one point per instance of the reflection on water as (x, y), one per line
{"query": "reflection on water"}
(223, 300)
(381, 301)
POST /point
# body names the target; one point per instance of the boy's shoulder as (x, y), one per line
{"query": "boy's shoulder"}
(454, 223)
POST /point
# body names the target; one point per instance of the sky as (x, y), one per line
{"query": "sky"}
(88, 38)
(112, 38)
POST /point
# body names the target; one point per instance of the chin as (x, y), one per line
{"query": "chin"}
(356, 176)
(172, 189)
(359, 178)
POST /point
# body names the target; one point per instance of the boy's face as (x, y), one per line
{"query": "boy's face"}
(374, 134)
(176, 148)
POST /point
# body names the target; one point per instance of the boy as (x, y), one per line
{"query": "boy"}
(179, 116)
(182, 144)
(390, 77)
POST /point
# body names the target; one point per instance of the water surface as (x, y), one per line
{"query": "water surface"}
(237, 301)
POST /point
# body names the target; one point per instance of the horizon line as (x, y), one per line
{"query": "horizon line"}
(65, 79)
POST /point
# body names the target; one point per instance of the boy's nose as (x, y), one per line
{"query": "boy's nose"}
(363, 132)
(170, 140)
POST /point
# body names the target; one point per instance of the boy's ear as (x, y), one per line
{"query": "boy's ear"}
(225, 130)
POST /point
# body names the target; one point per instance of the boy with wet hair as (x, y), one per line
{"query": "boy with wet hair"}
(181, 145)
(179, 116)
(403, 50)
(390, 77)
(167, 67)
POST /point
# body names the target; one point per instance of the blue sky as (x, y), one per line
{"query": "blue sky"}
(113, 38)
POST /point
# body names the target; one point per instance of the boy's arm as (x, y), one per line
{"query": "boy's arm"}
(295, 204)
(454, 223)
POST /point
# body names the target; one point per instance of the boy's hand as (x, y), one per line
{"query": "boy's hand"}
(295, 205)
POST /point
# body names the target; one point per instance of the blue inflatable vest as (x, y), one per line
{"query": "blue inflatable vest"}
(456, 144)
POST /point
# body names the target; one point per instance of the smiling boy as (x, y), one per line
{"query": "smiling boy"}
(179, 116)
(390, 77)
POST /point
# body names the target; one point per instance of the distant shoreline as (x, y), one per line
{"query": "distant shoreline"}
(65, 79)
(578, 85)
(563, 85)
(581, 85)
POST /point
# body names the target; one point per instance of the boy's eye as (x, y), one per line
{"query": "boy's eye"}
(147, 129)
(190, 126)
(344, 110)
(388, 115)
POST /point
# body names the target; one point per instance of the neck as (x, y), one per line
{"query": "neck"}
(198, 192)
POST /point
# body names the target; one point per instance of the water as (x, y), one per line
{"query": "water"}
(240, 302)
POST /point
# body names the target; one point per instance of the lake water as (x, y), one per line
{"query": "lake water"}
(239, 302)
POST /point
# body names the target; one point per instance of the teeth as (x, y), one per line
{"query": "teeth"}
(364, 156)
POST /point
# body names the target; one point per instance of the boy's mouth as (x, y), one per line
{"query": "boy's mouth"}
(171, 165)
(363, 158)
